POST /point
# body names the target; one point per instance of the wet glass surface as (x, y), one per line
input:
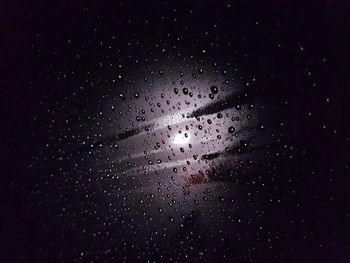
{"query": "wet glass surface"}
(171, 131)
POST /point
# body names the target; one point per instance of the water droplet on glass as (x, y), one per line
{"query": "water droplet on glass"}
(214, 89)
(122, 96)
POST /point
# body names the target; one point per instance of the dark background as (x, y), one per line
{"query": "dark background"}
(298, 50)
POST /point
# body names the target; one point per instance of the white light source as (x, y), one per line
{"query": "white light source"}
(181, 138)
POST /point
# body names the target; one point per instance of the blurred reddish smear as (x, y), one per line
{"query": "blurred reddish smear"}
(195, 179)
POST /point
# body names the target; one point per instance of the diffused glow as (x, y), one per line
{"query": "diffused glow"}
(181, 138)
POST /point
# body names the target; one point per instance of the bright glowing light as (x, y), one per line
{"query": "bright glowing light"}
(181, 138)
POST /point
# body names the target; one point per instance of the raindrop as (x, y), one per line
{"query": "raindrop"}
(214, 89)
(231, 129)
(122, 96)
